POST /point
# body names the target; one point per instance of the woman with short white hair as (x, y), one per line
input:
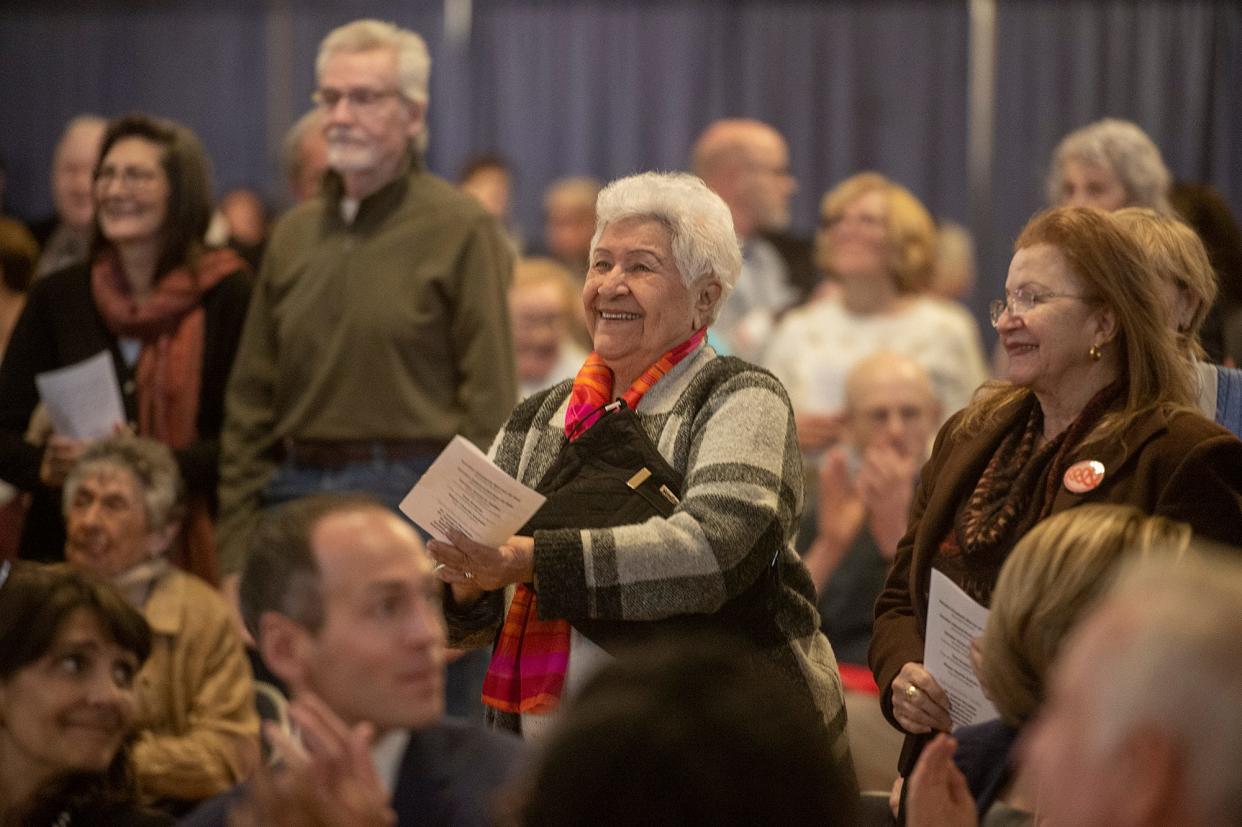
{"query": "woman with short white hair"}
(673, 477)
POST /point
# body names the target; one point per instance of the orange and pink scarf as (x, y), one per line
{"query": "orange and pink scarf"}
(528, 666)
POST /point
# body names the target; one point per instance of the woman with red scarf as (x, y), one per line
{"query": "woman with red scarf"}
(673, 478)
(167, 310)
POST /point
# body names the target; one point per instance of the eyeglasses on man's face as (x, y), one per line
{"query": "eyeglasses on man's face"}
(1021, 302)
(359, 97)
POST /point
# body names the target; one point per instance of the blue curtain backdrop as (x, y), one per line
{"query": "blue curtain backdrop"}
(606, 88)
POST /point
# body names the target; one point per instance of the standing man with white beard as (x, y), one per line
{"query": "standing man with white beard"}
(378, 327)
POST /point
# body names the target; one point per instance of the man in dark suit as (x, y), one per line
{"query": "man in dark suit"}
(746, 162)
(340, 597)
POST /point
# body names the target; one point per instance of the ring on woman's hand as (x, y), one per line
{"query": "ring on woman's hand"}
(912, 691)
(469, 575)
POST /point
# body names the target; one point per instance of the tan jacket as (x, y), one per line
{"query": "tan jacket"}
(199, 731)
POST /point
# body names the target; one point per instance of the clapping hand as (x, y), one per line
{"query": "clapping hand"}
(329, 780)
(938, 795)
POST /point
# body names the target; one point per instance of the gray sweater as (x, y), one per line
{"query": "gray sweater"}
(729, 431)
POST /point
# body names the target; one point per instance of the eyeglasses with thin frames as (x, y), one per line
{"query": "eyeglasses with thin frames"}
(1021, 302)
(359, 98)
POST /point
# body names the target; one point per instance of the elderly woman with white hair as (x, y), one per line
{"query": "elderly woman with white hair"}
(673, 477)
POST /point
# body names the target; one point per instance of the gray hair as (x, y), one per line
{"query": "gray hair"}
(1179, 668)
(1126, 150)
(413, 59)
(153, 468)
(699, 223)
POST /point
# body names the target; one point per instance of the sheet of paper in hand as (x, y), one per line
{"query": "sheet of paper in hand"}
(953, 621)
(463, 490)
(83, 400)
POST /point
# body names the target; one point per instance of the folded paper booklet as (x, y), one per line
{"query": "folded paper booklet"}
(953, 621)
(464, 490)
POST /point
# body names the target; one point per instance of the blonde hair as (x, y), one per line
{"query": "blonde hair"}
(911, 231)
(1114, 271)
(538, 271)
(1052, 576)
(1176, 254)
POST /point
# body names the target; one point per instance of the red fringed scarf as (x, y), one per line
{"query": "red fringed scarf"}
(527, 671)
(168, 375)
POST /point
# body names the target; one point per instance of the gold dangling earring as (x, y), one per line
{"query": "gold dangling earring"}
(1094, 353)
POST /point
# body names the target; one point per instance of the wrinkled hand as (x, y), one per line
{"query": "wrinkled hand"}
(476, 567)
(939, 795)
(817, 432)
(886, 484)
(59, 455)
(929, 708)
(327, 781)
(839, 516)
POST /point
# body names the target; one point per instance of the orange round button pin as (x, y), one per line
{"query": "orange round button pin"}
(1082, 477)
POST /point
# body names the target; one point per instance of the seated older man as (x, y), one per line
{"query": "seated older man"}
(848, 540)
(865, 488)
(196, 718)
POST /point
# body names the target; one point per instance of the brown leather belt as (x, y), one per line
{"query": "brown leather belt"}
(336, 453)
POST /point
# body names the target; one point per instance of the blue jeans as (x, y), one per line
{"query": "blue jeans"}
(389, 480)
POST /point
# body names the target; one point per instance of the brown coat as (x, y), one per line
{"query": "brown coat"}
(1183, 467)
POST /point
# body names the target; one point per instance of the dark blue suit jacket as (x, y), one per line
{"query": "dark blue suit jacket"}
(448, 776)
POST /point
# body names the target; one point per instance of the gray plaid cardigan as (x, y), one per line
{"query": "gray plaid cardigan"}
(728, 428)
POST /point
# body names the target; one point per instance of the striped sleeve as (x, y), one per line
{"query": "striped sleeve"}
(743, 492)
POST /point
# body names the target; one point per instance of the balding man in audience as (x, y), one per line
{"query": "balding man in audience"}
(65, 236)
(340, 597)
(865, 487)
(1142, 726)
(864, 490)
(747, 163)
